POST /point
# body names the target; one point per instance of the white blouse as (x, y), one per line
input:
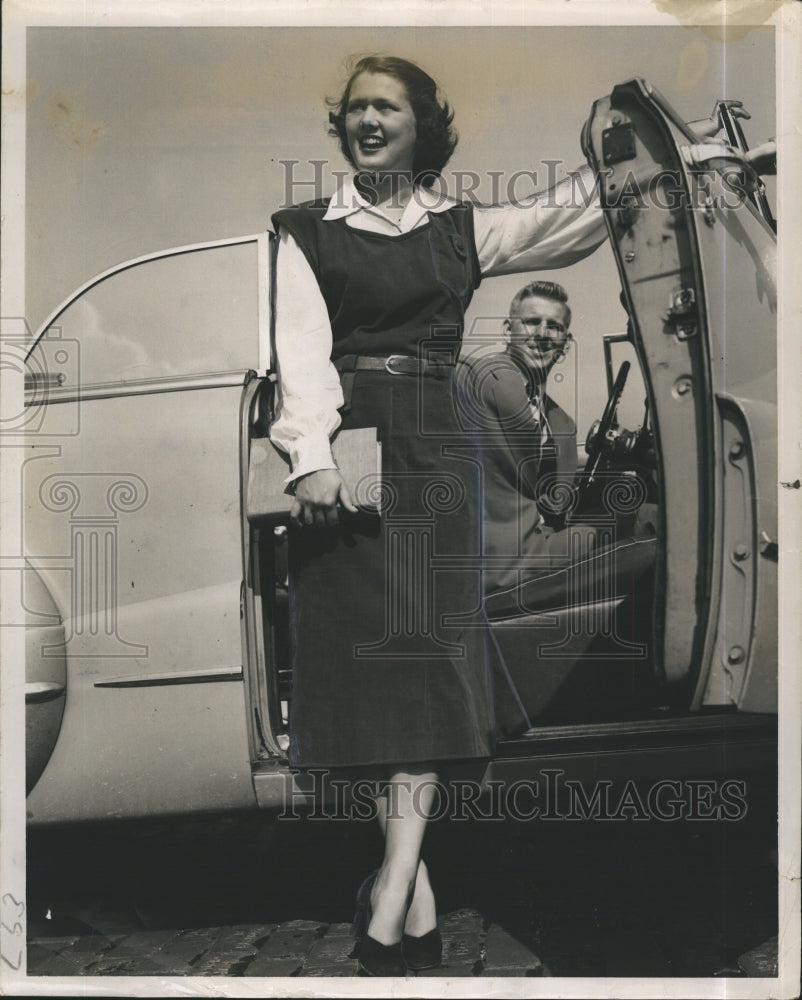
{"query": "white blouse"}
(554, 229)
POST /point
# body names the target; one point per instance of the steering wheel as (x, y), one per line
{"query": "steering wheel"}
(605, 425)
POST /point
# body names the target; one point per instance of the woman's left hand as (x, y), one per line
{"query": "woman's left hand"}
(316, 497)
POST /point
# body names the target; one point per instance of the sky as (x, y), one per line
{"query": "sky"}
(143, 138)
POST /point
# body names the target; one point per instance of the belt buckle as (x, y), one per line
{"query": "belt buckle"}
(388, 360)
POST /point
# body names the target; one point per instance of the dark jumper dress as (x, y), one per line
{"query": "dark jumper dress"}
(392, 658)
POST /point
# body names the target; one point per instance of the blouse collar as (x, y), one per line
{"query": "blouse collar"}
(348, 200)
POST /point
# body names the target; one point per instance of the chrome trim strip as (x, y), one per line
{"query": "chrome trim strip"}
(213, 674)
(114, 390)
(548, 616)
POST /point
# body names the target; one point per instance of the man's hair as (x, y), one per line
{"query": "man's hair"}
(545, 290)
(435, 138)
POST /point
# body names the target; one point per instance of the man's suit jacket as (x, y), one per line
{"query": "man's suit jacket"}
(525, 477)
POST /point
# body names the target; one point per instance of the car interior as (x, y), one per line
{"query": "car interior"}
(576, 639)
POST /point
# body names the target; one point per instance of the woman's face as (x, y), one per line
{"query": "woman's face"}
(380, 124)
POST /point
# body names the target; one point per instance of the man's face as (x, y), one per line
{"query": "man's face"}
(537, 334)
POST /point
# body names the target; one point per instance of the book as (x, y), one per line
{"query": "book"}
(357, 453)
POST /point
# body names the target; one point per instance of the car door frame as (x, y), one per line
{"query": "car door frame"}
(666, 221)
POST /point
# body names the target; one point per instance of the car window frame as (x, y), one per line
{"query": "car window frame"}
(43, 389)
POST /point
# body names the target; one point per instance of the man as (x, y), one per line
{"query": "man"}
(528, 446)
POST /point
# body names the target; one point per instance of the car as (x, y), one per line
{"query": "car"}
(157, 673)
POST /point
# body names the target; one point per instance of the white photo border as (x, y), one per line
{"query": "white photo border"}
(787, 19)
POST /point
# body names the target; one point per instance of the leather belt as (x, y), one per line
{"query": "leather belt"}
(394, 364)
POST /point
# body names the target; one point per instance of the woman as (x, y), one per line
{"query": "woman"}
(393, 670)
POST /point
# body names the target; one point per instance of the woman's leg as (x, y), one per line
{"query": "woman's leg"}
(422, 913)
(404, 814)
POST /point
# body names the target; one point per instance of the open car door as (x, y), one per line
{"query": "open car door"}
(696, 261)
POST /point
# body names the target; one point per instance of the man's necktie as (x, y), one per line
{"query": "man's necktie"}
(539, 417)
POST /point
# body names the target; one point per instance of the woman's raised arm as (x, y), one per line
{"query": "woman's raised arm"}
(556, 228)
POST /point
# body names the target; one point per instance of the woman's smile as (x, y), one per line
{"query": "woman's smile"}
(380, 124)
(370, 143)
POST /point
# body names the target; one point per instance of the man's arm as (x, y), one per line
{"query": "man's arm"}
(502, 391)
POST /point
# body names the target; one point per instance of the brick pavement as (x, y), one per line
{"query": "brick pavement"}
(581, 899)
(293, 948)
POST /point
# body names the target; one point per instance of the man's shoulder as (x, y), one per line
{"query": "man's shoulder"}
(497, 366)
(494, 380)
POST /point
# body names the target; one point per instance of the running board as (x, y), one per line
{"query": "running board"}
(703, 748)
(715, 746)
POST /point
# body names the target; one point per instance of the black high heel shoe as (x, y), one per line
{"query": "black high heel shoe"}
(424, 952)
(375, 958)
(359, 928)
